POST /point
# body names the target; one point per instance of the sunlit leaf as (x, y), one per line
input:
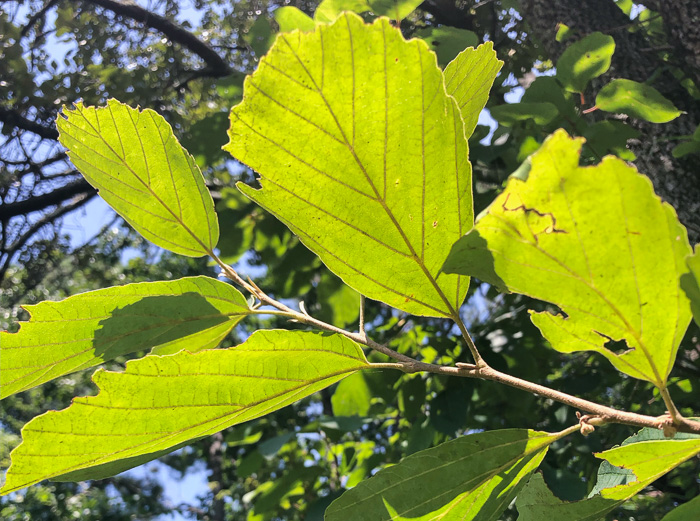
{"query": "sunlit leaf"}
(584, 60)
(468, 78)
(646, 461)
(637, 100)
(87, 329)
(164, 402)
(140, 170)
(290, 18)
(344, 125)
(598, 243)
(447, 42)
(484, 472)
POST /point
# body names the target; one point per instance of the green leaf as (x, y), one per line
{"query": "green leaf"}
(394, 9)
(689, 511)
(611, 476)
(143, 173)
(290, 18)
(206, 137)
(260, 36)
(541, 113)
(598, 243)
(352, 397)
(610, 136)
(91, 328)
(564, 32)
(164, 402)
(328, 11)
(484, 472)
(690, 282)
(636, 100)
(340, 304)
(688, 147)
(647, 460)
(344, 126)
(584, 60)
(447, 42)
(468, 78)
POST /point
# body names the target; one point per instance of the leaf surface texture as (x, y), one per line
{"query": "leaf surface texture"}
(88, 329)
(160, 403)
(134, 160)
(346, 126)
(598, 243)
(474, 477)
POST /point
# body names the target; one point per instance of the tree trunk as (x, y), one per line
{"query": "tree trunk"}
(676, 180)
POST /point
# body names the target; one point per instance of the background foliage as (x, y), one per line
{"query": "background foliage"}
(188, 64)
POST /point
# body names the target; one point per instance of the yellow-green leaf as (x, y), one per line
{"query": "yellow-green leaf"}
(598, 243)
(468, 78)
(160, 403)
(362, 153)
(134, 160)
(88, 329)
(472, 477)
(647, 461)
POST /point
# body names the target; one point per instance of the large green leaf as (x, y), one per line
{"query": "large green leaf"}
(689, 511)
(690, 282)
(468, 78)
(637, 100)
(87, 329)
(140, 169)
(584, 60)
(598, 243)
(474, 477)
(647, 460)
(362, 153)
(163, 402)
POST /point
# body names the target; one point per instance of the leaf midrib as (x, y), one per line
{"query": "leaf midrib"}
(451, 312)
(78, 110)
(224, 418)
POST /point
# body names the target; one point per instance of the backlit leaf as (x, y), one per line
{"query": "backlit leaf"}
(647, 461)
(160, 403)
(344, 125)
(484, 472)
(468, 78)
(584, 60)
(143, 173)
(88, 329)
(598, 243)
(637, 100)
